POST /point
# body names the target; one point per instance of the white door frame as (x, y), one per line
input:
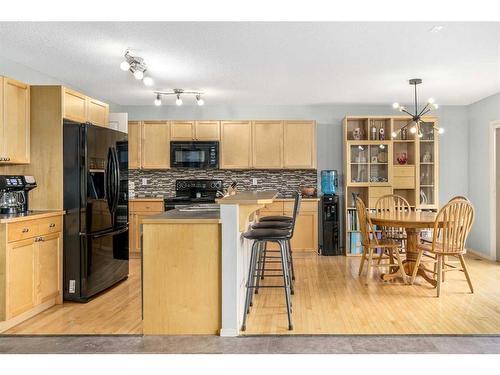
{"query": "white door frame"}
(494, 125)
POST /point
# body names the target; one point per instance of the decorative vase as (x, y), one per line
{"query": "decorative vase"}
(402, 158)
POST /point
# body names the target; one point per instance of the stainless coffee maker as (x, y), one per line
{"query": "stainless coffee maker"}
(14, 193)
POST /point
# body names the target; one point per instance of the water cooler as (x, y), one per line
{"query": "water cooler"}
(329, 214)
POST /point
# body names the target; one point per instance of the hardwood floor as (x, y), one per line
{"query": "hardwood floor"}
(116, 311)
(329, 298)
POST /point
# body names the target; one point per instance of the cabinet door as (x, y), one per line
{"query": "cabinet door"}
(20, 277)
(155, 150)
(305, 236)
(134, 145)
(132, 229)
(48, 267)
(236, 145)
(137, 224)
(299, 145)
(267, 144)
(98, 112)
(16, 122)
(181, 130)
(75, 106)
(207, 130)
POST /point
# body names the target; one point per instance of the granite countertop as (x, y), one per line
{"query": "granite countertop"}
(184, 216)
(249, 197)
(38, 214)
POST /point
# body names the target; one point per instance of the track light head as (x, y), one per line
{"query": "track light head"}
(178, 101)
(158, 100)
(199, 100)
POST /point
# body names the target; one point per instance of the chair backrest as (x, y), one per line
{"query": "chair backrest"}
(452, 226)
(459, 198)
(392, 203)
(365, 224)
(296, 209)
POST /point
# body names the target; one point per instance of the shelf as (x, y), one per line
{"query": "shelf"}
(360, 163)
(427, 162)
(378, 163)
(403, 140)
(426, 140)
(426, 185)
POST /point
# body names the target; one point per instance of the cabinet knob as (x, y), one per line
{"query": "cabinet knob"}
(52, 225)
(25, 230)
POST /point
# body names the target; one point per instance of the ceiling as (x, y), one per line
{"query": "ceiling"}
(266, 63)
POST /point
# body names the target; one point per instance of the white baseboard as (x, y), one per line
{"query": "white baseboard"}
(480, 254)
(229, 332)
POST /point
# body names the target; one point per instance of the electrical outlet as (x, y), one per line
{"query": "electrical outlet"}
(254, 181)
(144, 181)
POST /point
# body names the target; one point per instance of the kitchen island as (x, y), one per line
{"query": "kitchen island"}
(194, 263)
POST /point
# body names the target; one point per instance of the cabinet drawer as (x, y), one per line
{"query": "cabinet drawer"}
(147, 206)
(275, 206)
(304, 206)
(404, 171)
(22, 230)
(49, 225)
(379, 191)
(403, 182)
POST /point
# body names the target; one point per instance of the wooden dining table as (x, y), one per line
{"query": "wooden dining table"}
(413, 223)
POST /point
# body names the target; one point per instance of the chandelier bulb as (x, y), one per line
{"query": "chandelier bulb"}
(158, 100)
(413, 129)
(124, 65)
(394, 134)
(435, 105)
(148, 81)
(401, 108)
(178, 101)
(441, 130)
(139, 74)
(431, 101)
(420, 135)
(395, 105)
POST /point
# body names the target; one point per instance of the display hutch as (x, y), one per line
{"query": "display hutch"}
(375, 164)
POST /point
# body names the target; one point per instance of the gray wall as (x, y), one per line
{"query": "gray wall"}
(480, 115)
(454, 144)
(22, 73)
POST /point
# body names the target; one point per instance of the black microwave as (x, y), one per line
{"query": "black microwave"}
(194, 154)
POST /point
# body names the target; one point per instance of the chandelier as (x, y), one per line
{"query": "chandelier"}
(416, 118)
(136, 66)
(178, 93)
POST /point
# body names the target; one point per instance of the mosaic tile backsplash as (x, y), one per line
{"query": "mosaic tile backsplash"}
(162, 182)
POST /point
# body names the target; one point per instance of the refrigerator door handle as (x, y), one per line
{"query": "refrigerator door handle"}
(116, 175)
(108, 176)
(105, 233)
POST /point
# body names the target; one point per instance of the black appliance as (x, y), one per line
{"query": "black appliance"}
(14, 193)
(194, 191)
(96, 205)
(330, 225)
(194, 154)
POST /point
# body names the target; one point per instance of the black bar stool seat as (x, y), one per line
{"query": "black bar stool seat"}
(267, 234)
(272, 225)
(277, 218)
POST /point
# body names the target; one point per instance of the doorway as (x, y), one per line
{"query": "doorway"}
(497, 189)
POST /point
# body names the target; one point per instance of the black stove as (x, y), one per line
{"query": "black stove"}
(194, 191)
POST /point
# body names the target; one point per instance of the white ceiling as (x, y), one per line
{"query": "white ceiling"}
(266, 63)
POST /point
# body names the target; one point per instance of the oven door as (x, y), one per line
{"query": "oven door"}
(194, 154)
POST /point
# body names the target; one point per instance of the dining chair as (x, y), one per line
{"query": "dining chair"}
(370, 242)
(451, 228)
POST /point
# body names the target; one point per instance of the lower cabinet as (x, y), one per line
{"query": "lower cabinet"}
(305, 237)
(33, 274)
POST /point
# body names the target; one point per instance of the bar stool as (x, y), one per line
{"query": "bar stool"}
(260, 237)
(279, 222)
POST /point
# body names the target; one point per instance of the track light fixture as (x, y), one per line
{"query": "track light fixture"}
(416, 119)
(178, 93)
(136, 66)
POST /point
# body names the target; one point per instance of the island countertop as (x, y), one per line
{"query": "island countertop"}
(250, 197)
(183, 216)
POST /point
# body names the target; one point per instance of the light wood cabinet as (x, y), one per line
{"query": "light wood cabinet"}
(299, 145)
(305, 237)
(138, 209)
(155, 149)
(14, 122)
(74, 106)
(30, 268)
(81, 108)
(207, 130)
(182, 130)
(98, 112)
(134, 144)
(20, 277)
(236, 147)
(267, 144)
(48, 266)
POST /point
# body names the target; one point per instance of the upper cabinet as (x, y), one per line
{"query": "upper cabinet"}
(194, 131)
(267, 144)
(134, 144)
(14, 122)
(299, 145)
(155, 147)
(81, 108)
(236, 145)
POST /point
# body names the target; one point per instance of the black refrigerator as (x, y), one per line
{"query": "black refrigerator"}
(96, 205)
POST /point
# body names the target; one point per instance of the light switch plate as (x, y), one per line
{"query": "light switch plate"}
(254, 181)
(144, 181)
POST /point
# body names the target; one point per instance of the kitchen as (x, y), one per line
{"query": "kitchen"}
(141, 214)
